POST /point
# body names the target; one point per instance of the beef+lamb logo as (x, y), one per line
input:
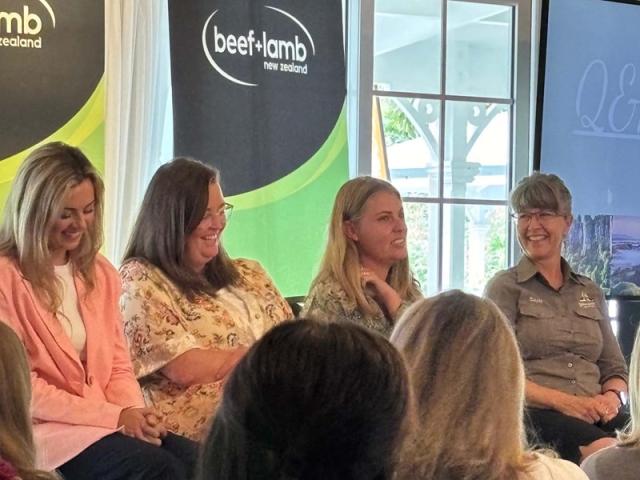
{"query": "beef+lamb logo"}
(282, 45)
(22, 28)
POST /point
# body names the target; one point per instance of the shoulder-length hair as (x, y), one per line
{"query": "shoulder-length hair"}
(16, 438)
(341, 261)
(630, 436)
(36, 200)
(461, 353)
(174, 204)
(310, 400)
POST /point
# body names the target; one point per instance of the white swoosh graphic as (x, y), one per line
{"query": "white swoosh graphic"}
(212, 61)
(50, 10)
(304, 29)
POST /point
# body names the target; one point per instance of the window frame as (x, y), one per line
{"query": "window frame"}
(360, 92)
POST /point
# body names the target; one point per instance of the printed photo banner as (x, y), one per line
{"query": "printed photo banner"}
(51, 79)
(258, 92)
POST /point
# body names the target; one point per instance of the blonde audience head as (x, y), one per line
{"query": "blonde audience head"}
(468, 386)
(341, 260)
(16, 440)
(36, 202)
(630, 437)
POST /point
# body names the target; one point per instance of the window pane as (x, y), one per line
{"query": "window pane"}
(405, 144)
(474, 245)
(422, 242)
(477, 150)
(479, 49)
(407, 45)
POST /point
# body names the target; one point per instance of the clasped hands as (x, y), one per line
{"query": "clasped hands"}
(599, 408)
(143, 424)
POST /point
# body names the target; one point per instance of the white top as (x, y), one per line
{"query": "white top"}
(548, 468)
(68, 313)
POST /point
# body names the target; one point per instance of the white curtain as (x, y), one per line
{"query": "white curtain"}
(139, 132)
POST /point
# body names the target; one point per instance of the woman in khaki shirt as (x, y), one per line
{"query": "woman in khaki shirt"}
(576, 375)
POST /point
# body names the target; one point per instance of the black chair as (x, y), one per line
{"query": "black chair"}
(296, 304)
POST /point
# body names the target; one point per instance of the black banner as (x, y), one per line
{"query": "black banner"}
(257, 85)
(51, 60)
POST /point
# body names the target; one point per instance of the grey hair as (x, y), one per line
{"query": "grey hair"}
(545, 191)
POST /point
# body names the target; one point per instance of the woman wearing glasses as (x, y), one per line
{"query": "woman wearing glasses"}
(190, 311)
(576, 374)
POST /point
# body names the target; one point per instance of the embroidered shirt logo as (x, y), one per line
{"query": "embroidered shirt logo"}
(585, 301)
(535, 300)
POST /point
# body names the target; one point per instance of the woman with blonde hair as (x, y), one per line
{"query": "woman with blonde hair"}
(365, 276)
(468, 387)
(17, 452)
(622, 461)
(61, 298)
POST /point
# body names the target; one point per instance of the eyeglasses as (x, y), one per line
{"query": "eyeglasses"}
(225, 211)
(542, 216)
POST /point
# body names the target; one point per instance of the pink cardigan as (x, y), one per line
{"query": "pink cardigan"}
(72, 406)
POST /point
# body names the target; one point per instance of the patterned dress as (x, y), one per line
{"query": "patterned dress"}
(327, 300)
(160, 324)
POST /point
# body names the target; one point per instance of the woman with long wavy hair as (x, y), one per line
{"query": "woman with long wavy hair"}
(60, 296)
(364, 276)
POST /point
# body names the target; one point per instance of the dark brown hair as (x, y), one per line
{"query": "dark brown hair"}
(311, 400)
(174, 204)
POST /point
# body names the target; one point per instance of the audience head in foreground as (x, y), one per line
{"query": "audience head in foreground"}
(468, 389)
(311, 400)
(622, 461)
(364, 276)
(17, 451)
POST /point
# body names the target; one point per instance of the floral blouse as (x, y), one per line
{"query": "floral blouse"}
(327, 300)
(161, 324)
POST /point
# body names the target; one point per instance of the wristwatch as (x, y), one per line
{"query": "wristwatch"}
(621, 394)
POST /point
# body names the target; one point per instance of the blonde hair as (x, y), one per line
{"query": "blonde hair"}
(630, 436)
(341, 260)
(36, 200)
(16, 439)
(468, 390)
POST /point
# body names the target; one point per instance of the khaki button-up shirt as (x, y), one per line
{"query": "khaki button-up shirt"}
(565, 335)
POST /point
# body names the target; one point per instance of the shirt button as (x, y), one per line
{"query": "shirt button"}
(256, 316)
(570, 365)
(573, 382)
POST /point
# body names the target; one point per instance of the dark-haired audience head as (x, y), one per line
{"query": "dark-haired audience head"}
(310, 400)
(16, 439)
(35, 217)
(468, 387)
(179, 225)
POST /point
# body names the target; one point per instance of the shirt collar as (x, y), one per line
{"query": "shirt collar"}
(526, 269)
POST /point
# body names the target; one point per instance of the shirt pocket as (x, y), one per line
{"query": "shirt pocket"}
(535, 328)
(588, 333)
